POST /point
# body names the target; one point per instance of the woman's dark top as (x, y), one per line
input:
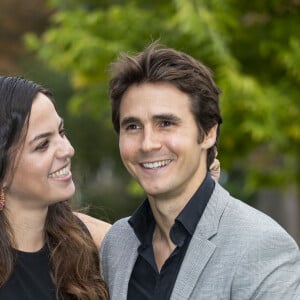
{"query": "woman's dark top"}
(30, 279)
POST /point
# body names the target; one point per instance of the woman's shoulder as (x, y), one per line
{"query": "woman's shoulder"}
(96, 227)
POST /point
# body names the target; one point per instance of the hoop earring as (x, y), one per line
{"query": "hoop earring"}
(2, 199)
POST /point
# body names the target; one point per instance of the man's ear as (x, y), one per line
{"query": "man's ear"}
(210, 138)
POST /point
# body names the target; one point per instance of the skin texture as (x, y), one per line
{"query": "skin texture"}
(158, 127)
(160, 147)
(35, 185)
(38, 182)
(96, 227)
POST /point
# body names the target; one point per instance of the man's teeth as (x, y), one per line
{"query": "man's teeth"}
(60, 173)
(157, 164)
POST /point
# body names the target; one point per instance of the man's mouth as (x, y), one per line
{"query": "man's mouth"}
(60, 173)
(156, 164)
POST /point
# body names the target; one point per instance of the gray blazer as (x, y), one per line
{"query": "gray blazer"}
(236, 253)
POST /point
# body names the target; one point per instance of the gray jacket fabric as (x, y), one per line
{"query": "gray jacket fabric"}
(236, 253)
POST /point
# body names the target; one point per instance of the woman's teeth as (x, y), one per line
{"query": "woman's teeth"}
(60, 173)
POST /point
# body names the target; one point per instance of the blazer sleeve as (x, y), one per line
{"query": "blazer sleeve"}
(269, 269)
(118, 253)
(111, 247)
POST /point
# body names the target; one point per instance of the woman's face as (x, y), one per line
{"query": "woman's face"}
(42, 174)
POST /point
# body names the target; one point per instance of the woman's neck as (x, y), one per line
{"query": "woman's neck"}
(28, 228)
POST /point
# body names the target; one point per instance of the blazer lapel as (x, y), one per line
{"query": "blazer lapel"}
(194, 262)
(201, 248)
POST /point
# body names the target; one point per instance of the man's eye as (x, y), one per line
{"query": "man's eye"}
(132, 127)
(166, 123)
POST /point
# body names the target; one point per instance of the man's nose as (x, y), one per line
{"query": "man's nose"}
(151, 140)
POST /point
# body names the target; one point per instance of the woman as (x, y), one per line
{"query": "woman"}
(47, 252)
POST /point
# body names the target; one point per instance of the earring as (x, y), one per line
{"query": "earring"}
(2, 199)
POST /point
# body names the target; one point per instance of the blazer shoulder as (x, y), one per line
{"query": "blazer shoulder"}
(242, 222)
(238, 212)
(263, 245)
(259, 258)
(251, 218)
(121, 226)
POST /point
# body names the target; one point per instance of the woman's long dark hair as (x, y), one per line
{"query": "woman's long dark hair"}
(78, 276)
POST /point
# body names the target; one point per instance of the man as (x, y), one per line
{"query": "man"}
(189, 239)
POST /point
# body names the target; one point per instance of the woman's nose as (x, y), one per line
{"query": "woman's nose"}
(65, 149)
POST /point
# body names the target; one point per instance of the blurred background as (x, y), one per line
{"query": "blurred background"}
(251, 46)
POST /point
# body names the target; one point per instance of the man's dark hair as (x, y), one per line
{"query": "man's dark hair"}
(154, 65)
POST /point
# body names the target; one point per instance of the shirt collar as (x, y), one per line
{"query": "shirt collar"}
(192, 212)
(143, 223)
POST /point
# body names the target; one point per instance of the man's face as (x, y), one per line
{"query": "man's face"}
(158, 141)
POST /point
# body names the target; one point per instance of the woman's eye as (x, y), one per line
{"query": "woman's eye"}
(62, 132)
(42, 146)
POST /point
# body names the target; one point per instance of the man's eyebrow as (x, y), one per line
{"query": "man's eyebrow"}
(167, 117)
(129, 120)
(158, 117)
(46, 134)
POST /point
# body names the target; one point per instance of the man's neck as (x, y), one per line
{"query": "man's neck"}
(162, 247)
(165, 212)
(166, 207)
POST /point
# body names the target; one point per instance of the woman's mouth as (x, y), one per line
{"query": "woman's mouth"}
(60, 173)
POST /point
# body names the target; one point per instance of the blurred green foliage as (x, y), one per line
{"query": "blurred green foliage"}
(252, 48)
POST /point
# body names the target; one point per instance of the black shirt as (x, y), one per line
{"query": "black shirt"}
(30, 279)
(145, 281)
